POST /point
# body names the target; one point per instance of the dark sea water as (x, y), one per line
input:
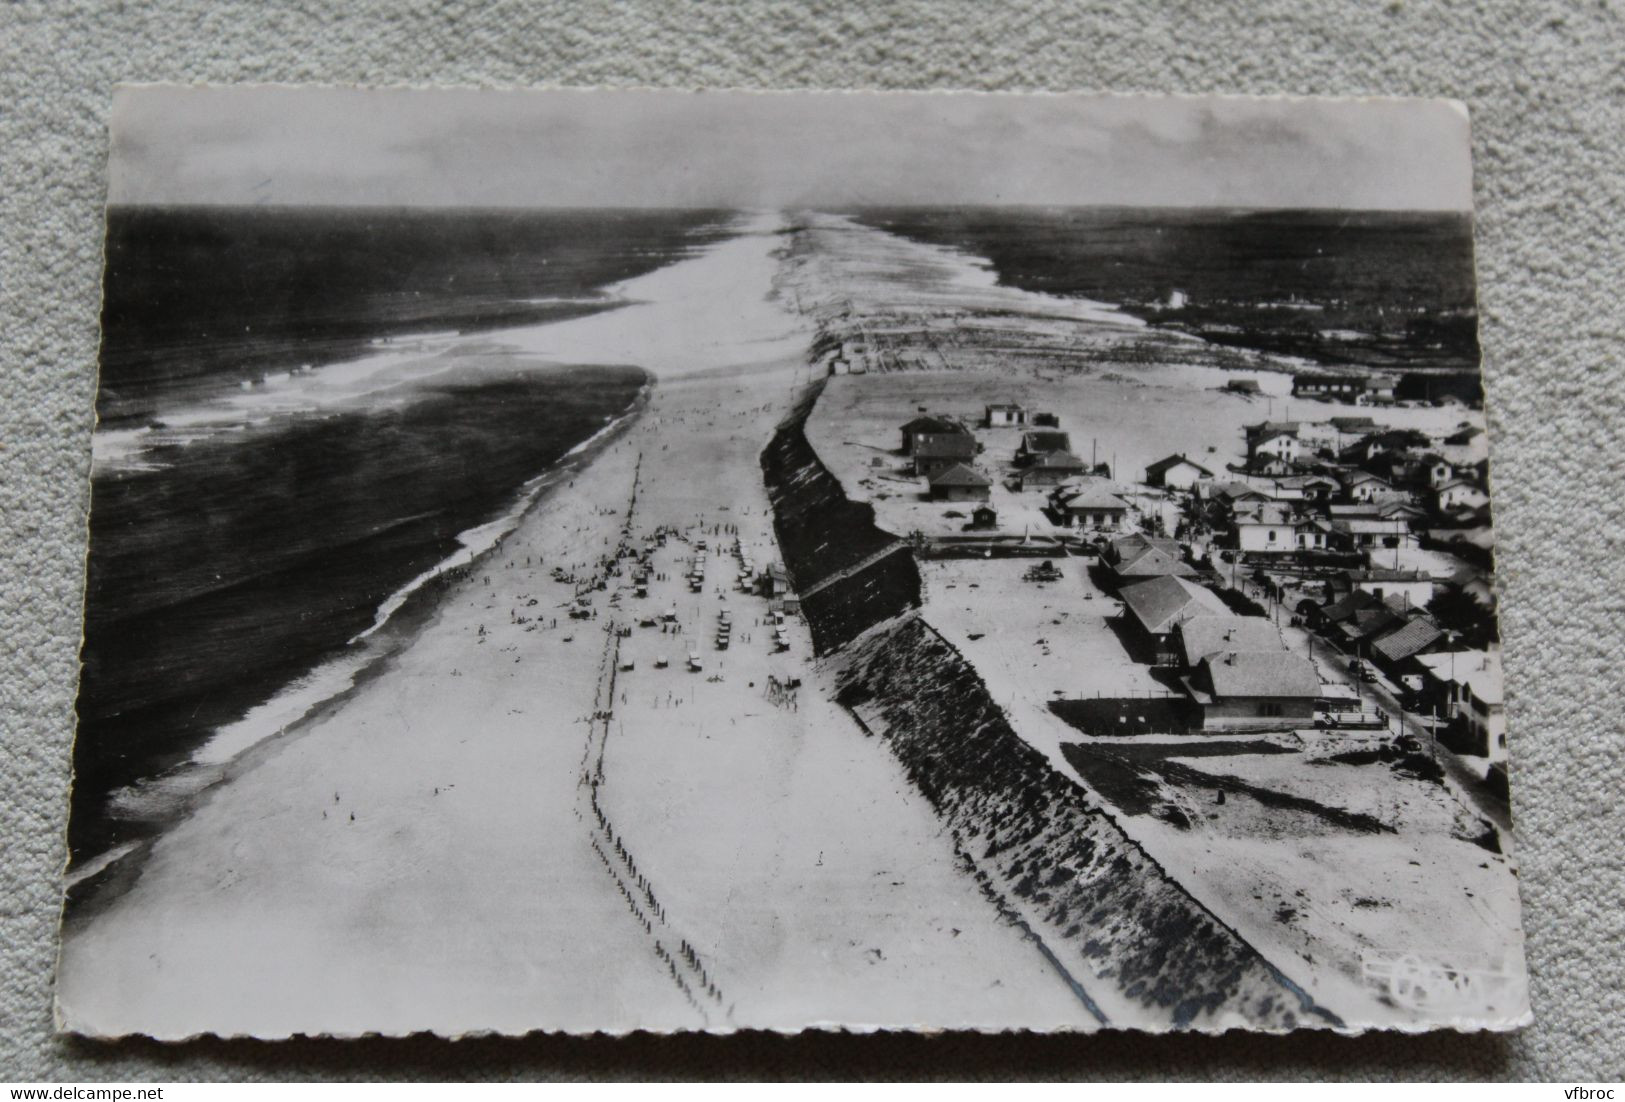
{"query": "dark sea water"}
(225, 565)
(1382, 290)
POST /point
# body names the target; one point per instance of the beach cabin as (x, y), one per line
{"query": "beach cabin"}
(774, 581)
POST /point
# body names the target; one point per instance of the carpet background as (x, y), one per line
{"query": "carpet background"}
(1546, 85)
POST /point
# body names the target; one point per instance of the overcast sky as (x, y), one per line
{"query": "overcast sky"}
(298, 146)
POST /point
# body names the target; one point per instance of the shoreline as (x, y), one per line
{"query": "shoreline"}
(229, 749)
(444, 795)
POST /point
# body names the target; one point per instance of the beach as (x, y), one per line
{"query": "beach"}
(561, 804)
(422, 853)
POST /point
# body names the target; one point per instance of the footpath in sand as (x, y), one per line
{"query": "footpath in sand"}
(504, 831)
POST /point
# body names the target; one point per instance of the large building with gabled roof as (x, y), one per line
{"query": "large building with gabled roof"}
(960, 483)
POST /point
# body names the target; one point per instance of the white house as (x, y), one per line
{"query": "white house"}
(1458, 493)
(1300, 487)
(1470, 682)
(1438, 471)
(1364, 486)
(1387, 524)
(1175, 472)
(1414, 587)
(1281, 443)
(1091, 505)
(1274, 527)
(999, 415)
(1381, 388)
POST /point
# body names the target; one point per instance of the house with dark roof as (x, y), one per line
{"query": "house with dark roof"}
(1356, 631)
(923, 429)
(1253, 690)
(935, 453)
(1302, 487)
(1338, 388)
(1270, 466)
(1353, 426)
(1136, 556)
(1204, 636)
(960, 483)
(1279, 443)
(1175, 472)
(1418, 635)
(1042, 442)
(1230, 495)
(1050, 469)
(1155, 606)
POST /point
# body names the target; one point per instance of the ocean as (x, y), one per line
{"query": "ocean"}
(301, 427)
(1390, 291)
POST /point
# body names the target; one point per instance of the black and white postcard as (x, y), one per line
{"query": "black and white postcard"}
(603, 561)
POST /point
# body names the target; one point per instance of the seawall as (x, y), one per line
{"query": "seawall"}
(1135, 946)
(823, 534)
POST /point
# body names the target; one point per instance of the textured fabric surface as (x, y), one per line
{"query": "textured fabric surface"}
(1547, 91)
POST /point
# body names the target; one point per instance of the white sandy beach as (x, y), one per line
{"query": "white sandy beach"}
(420, 855)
